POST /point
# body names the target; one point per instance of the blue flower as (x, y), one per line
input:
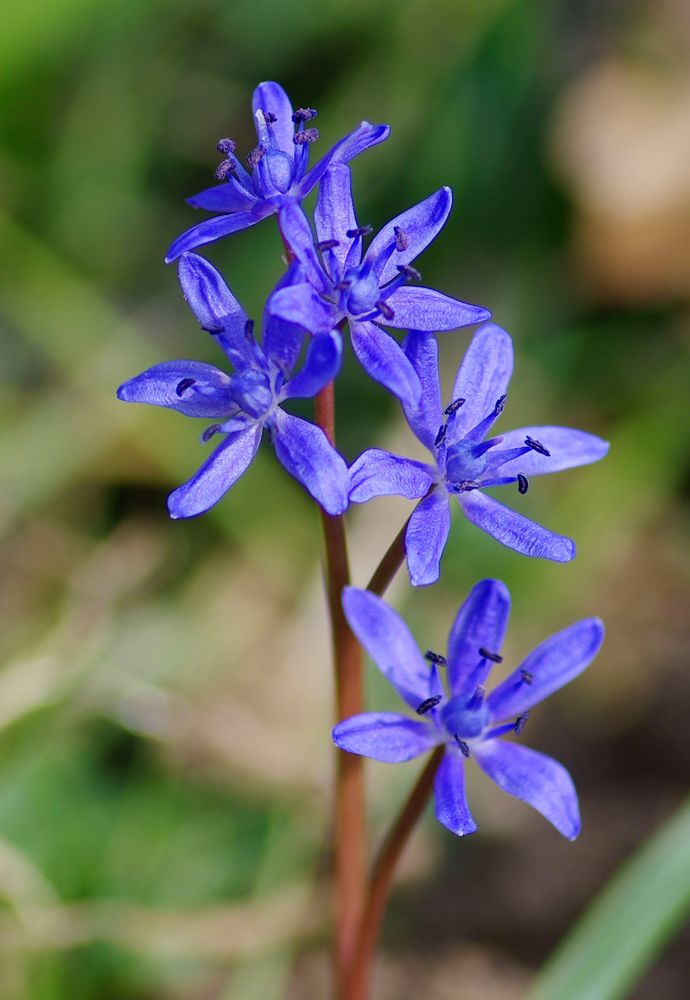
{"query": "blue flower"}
(460, 715)
(246, 403)
(465, 461)
(277, 174)
(372, 290)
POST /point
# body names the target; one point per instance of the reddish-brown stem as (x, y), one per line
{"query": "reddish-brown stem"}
(357, 987)
(390, 564)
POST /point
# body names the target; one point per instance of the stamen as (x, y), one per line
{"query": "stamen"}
(327, 245)
(304, 115)
(342, 286)
(210, 432)
(537, 446)
(411, 273)
(435, 658)
(527, 677)
(464, 749)
(226, 146)
(183, 385)
(359, 231)
(255, 155)
(454, 406)
(224, 168)
(500, 404)
(269, 117)
(385, 310)
(520, 722)
(249, 330)
(465, 486)
(308, 135)
(494, 657)
(440, 436)
(523, 483)
(401, 240)
(428, 704)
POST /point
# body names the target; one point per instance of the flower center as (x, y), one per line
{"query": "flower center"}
(251, 390)
(466, 461)
(363, 292)
(466, 717)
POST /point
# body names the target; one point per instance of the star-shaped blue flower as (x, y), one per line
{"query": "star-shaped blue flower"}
(246, 403)
(466, 461)
(459, 715)
(368, 291)
(277, 173)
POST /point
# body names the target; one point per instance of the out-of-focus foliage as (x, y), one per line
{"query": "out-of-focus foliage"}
(165, 695)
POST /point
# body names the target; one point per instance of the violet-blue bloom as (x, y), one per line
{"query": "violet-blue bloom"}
(369, 291)
(277, 173)
(458, 714)
(246, 403)
(466, 461)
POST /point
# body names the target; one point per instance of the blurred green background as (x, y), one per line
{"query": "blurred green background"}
(165, 697)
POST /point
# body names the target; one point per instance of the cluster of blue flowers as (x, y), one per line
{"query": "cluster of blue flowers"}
(333, 282)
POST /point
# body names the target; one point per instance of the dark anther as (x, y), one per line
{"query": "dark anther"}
(435, 658)
(527, 677)
(225, 168)
(270, 117)
(537, 446)
(494, 657)
(440, 435)
(464, 749)
(466, 486)
(385, 310)
(454, 406)
(255, 155)
(359, 231)
(309, 135)
(226, 146)
(342, 286)
(411, 273)
(210, 431)
(183, 385)
(428, 704)
(401, 240)
(213, 330)
(327, 245)
(520, 722)
(249, 330)
(303, 115)
(523, 483)
(500, 404)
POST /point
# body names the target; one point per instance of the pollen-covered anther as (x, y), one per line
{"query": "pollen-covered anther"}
(465, 486)
(327, 245)
(385, 310)
(270, 117)
(521, 722)
(500, 404)
(488, 655)
(411, 273)
(303, 115)
(464, 749)
(428, 704)
(401, 240)
(352, 234)
(255, 156)
(523, 483)
(308, 135)
(435, 658)
(183, 385)
(226, 146)
(537, 446)
(527, 677)
(224, 168)
(210, 432)
(440, 435)
(454, 406)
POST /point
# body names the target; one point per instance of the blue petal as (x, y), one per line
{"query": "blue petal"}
(282, 341)
(226, 197)
(191, 387)
(218, 473)
(419, 308)
(449, 791)
(424, 419)
(384, 360)
(534, 778)
(363, 137)
(321, 366)
(554, 663)
(568, 447)
(514, 530)
(389, 643)
(271, 97)
(480, 623)
(334, 215)
(307, 455)
(215, 229)
(384, 736)
(297, 236)
(426, 537)
(482, 378)
(420, 225)
(301, 305)
(378, 473)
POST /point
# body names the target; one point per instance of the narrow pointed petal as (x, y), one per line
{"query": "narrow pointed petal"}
(554, 663)
(321, 366)
(420, 225)
(480, 623)
(214, 229)
(218, 473)
(297, 235)
(304, 450)
(482, 378)
(379, 473)
(426, 537)
(190, 387)
(419, 308)
(451, 807)
(384, 736)
(426, 418)
(389, 643)
(568, 448)
(226, 197)
(534, 778)
(384, 360)
(514, 530)
(301, 305)
(271, 97)
(363, 137)
(281, 340)
(334, 216)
